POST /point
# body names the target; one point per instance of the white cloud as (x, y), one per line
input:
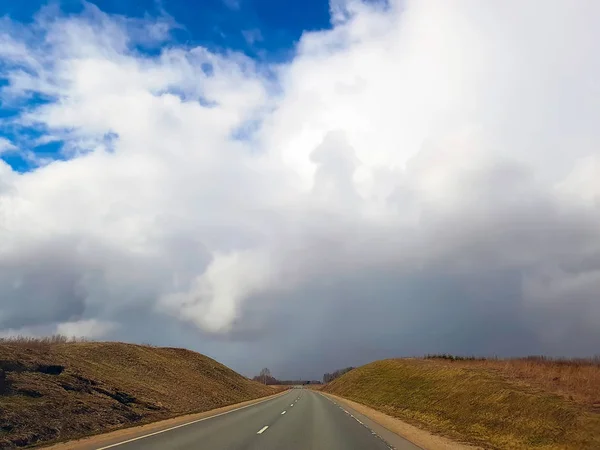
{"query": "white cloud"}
(91, 328)
(421, 140)
(6, 146)
(213, 300)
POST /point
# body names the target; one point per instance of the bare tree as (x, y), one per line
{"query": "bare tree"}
(264, 374)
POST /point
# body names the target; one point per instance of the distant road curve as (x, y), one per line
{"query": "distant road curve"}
(300, 419)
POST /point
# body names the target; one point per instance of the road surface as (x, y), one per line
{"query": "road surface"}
(300, 419)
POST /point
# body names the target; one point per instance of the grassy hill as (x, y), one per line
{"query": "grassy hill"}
(55, 391)
(511, 404)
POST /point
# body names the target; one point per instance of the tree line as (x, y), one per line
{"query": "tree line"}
(338, 373)
(265, 377)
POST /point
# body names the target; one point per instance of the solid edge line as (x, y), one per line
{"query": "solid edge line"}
(375, 422)
(184, 425)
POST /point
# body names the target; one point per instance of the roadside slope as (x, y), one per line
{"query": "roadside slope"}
(471, 403)
(64, 391)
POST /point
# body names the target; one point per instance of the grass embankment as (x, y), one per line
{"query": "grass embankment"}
(53, 391)
(512, 404)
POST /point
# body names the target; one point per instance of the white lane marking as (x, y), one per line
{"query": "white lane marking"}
(362, 423)
(292, 404)
(185, 424)
(283, 413)
(263, 429)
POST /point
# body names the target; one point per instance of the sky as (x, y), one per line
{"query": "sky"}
(303, 186)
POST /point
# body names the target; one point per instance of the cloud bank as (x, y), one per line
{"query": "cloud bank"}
(421, 177)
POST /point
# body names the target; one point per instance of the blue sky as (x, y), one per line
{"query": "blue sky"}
(220, 23)
(266, 30)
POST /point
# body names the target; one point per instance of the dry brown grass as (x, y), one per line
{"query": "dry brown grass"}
(577, 380)
(497, 404)
(52, 389)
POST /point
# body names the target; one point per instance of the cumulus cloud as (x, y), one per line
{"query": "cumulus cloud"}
(420, 177)
(213, 299)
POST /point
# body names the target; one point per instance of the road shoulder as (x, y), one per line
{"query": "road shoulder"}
(126, 434)
(390, 426)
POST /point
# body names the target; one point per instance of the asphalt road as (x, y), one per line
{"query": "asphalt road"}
(300, 419)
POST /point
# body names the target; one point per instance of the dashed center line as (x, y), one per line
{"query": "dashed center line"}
(263, 429)
(283, 413)
(292, 404)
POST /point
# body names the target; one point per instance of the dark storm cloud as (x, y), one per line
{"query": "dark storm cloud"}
(41, 286)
